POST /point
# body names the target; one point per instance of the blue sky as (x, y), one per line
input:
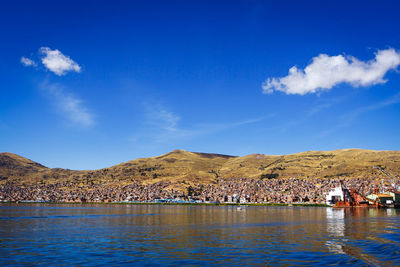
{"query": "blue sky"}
(89, 84)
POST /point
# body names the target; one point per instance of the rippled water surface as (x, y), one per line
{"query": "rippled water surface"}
(197, 235)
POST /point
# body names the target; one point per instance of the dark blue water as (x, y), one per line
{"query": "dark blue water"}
(91, 235)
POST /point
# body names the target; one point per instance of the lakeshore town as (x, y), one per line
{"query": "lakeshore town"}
(242, 191)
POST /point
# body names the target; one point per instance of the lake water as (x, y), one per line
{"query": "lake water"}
(91, 235)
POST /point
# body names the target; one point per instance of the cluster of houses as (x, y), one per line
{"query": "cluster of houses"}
(240, 190)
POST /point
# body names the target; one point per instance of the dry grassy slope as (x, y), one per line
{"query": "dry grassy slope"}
(178, 166)
(355, 163)
(184, 168)
(19, 168)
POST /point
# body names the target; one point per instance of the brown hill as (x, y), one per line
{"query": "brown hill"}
(18, 168)
(182, 168)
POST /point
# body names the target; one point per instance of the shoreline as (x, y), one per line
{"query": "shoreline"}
(172, 204)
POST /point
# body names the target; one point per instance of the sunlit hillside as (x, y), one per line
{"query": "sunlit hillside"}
(182, 168)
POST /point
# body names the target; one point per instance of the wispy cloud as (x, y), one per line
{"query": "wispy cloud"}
(69, 105)
(28, 62)
(347, 118)
(163, 119)
(308, 114)
(325, 72)
(58, 63)
(166, 125)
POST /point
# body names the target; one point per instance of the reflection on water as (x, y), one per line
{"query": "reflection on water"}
(197, 235)
(335, 227)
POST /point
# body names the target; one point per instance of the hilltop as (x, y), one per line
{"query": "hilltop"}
(182, 168)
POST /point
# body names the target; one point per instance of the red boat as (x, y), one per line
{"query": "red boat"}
(343, 197)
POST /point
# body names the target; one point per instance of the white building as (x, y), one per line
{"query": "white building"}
(334, 196)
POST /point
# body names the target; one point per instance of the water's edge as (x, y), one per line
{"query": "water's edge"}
(173, 204)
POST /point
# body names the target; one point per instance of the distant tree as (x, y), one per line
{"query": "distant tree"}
(269, 176)
(190, 191)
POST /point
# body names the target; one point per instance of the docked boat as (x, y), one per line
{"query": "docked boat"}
(396, 197)
(381, 200)
(342, 197)
(387, 199)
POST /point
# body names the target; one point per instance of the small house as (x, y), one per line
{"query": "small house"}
(383, 199)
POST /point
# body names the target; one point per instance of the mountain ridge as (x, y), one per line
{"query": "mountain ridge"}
(13, 155)
(183, 168)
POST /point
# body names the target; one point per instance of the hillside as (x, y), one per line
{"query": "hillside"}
(182, 168)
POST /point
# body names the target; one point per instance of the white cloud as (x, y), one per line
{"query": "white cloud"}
(58, 63)
(28, 62)
(325, 72)
(69, 105)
